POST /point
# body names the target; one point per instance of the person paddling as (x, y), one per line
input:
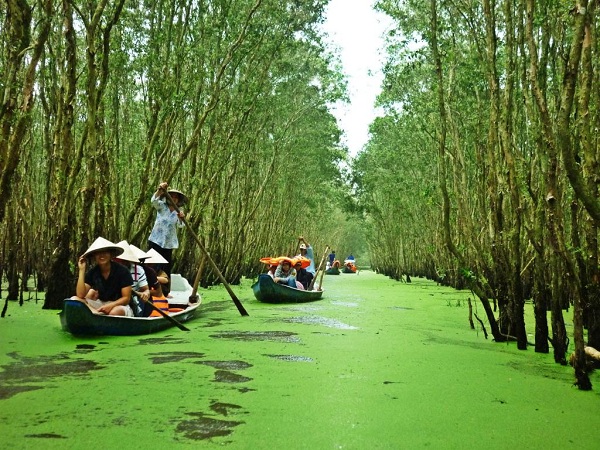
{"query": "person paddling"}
(163, 237)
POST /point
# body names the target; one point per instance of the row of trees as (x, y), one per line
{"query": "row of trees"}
(226, 100)
(492, 116)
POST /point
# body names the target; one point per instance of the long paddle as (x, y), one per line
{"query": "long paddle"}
(194, 296)
(164, 314)
(237, 302)
(312, 283)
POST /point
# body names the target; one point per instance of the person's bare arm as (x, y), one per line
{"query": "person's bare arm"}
(122, 301)
(82, 288)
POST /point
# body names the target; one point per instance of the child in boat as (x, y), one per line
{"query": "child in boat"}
(108, 282)
(155, 261)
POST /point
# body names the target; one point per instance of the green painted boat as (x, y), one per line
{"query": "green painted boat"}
(77, 318)
(332, 271)
(347, 269)
(267, 291)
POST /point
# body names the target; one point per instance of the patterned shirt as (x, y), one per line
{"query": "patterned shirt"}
(164, 232)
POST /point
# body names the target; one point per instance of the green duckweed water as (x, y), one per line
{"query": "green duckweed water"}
(376, 364)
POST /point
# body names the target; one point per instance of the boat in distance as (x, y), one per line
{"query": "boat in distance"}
(267, 291)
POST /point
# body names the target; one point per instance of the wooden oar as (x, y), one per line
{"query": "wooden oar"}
(214, 267)
(164, 314)
(312, 283)
(194, 295)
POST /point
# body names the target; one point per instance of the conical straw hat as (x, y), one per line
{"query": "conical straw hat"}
(101, 244)
(127, 254)
(182, 197)
(155, 257)
(139, 253)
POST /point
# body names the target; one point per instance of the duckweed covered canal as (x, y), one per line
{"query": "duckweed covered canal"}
(374, 364)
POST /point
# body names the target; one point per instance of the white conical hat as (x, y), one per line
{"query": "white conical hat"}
(101, 244)
(139, 253)
(155, 257)
(127, 254)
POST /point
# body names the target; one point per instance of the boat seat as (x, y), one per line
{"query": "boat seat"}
(178, 283)
(180, 290)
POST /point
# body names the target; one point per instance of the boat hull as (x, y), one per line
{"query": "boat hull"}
(77, 318)
(267, 291)
(332, 271)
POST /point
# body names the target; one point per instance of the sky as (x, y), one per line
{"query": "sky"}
(354, 27)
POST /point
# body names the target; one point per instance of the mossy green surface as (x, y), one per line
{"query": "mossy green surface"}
(376, 364)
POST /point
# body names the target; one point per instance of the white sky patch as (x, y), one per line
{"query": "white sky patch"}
(358, 30)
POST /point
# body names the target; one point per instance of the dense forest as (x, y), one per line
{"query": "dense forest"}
(482, 173)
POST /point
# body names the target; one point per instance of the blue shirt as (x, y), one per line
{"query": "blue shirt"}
(310, 254)
(164, 232)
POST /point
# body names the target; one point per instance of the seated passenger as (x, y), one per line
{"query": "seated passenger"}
(285, 273)
(154, 284)
(140, 289)
(271, 263)
(155, 261)
(303, 276)
(109, 281)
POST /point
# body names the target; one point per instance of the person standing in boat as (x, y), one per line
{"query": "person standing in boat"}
(106, 287)
(306, 251)
(330, 259)
(285, 273)
(163, 237)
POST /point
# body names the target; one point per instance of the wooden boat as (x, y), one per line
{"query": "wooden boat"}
(77, 318)
(267, 291)
(349, 268)
(332, 271)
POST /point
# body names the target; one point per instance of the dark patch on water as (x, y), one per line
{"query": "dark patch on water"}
(291, 358)
(317, 320)
(45, 367)
(278, 336)
(243, 390)
(202, 427)
(15, 376)
(10, 391)
(168, 357)
(213, 323)
(225, 376)
(161, 340)
(227, 365)
(546, 370)
(85, 347)
(46, 436)
(406, 308)
(224, 408)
